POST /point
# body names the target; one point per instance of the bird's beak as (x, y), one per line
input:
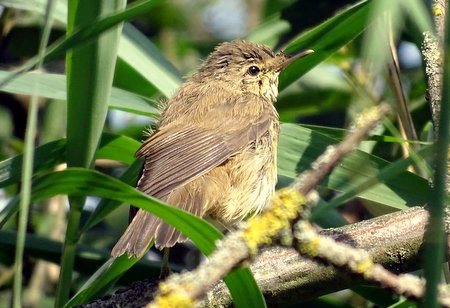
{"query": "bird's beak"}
(288, 59)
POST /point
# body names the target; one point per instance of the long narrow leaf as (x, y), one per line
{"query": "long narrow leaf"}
(54, 86)
(326, 39)
(89, 31)
(38, 6)
(88, 259)
(140, 53)
(82, 182)
(90, 71)
(135, 49)
(27, 166)
(49, 155)
(299, 147)
(384, 175)
(107, 206)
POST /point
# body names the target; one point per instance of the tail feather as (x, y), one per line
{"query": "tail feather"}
(145, 227)
(167, 236)
(137, 236)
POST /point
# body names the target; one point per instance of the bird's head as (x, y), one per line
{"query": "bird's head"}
(248, 66)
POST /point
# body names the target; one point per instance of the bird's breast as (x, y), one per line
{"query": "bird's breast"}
(246, 182)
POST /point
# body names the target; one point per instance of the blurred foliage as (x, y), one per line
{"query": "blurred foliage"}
(169, 40)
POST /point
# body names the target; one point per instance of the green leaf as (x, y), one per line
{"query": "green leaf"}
(49, 155)
(82, 182)
(142, 55)
(88, 259)
(93, 28)
(46, 156)
(106, 206)
(134, 48)
(384, 175)
(88, 31)
(417, 11)
(378, 296)
(340, 133)
(245, 293)
(269, 31)
(325, 39)
(104, 278)
(118, 148)
(128, 78)
(405, 303)
(90, 72)
(299, 147)
(38, 6)
(54, 86)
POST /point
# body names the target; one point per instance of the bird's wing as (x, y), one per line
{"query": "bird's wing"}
(174, 157)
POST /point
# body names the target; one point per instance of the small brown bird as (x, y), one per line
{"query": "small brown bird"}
(215, 149)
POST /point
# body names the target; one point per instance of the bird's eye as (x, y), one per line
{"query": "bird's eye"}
(253, 70)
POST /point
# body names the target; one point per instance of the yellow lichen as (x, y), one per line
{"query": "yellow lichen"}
(173, 300)
(366, 116)
(311, 247)
(262, 228)
(437, 11)
(172, 297)
(364, 266)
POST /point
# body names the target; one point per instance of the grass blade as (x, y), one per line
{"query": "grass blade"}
(90, 71)
(27, 165)
(299, 147)
(434, 248)
(82, 182)
(54, 86)
(47, 156)
(326, 39)
(140, 53)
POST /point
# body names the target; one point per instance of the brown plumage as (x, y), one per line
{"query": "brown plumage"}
(214, 151)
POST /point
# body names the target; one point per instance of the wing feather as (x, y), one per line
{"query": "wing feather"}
(173, 159)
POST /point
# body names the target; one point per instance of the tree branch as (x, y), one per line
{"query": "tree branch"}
(394, 241)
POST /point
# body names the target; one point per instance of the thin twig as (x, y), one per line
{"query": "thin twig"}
(406, 123)
(432, 54)
(308, 180)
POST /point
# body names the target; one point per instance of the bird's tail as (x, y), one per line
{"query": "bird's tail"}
(145, 227)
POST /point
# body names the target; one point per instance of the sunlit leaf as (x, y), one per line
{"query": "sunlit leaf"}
(326, 39)
(299, 147)
(54, 86)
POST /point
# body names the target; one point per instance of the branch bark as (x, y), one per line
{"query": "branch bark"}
(394, 240)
